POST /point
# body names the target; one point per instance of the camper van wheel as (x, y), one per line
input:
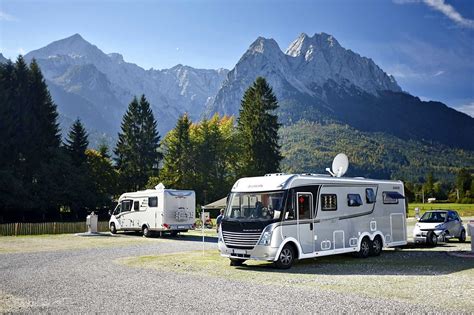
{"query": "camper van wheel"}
(236, 262)
(146, 231)
(174, 233)
(376, 247)
(364, 248)
(113, 229)
(286, 258)
(462, 236)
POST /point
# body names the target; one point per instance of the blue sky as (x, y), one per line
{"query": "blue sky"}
(428, 45)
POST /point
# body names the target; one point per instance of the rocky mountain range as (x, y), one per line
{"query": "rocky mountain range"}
(315, 79)
(97, 87)
(318, 80)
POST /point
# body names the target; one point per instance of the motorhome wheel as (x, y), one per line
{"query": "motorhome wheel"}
(376, 247)
(462, 236)
(146, 231)
(113, 229)
(286, 258)
(364, 251)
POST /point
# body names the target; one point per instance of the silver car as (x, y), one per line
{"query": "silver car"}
(439, 226)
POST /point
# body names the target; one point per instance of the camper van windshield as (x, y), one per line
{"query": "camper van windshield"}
(259, 206)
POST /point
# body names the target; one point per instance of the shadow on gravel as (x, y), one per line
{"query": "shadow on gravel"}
(391, 262)
(193, 238)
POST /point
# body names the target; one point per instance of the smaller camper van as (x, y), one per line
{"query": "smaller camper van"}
(154, 210)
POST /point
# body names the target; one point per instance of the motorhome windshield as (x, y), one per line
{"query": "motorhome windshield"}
(255, 206)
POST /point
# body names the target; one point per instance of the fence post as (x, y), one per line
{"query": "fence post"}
(16, 229)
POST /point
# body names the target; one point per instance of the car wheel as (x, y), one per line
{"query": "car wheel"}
(286, 257)
(376, 246)
(364, 250)
(174, 233)
(146, 231)
(432, 239)
(462, 236)
(113, 229)
(236, 262)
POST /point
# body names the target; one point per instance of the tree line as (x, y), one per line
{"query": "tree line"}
(44, 178)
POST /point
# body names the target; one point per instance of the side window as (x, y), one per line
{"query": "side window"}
(290, 212)
(304, 206)
(152, 201)
(328, 202)
(136, 206)
(354, 200)
(388, 199)
(451, 216)
(456, 216)
(369, 195)
(118, 209)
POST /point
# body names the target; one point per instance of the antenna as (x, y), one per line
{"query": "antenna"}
(340, 164)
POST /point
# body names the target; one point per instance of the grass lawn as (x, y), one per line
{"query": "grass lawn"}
(464, 210)
(399, 275)
(57, 242)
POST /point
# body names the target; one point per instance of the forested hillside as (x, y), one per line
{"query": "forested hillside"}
(310, 147)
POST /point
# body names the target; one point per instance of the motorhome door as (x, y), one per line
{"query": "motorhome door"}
(304, 210)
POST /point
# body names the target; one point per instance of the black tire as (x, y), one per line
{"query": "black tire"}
(432, 239)
(236, 262)
(364, 250)
(286, 258)
(113, 229)
(462, 236)
(376, 246)
(174, 233)
(146, 231)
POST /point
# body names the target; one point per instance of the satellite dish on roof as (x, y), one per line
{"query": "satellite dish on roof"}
(340, 164)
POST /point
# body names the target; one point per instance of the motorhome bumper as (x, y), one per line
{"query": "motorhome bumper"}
(259, 252)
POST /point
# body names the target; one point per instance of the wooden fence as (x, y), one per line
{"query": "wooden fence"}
(14, 229)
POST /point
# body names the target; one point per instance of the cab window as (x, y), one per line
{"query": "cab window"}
(126, 205)
(136, 206)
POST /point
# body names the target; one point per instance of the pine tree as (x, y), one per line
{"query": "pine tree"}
(178, 169)
(137, 146)
(76, 143)
(30, 136)
(258, 129)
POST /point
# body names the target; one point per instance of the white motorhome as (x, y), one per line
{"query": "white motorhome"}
(281, 218)
(154, 210)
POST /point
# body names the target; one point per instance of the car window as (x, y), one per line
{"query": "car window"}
(433, 217)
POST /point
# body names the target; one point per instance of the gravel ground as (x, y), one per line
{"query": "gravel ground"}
(91, 280)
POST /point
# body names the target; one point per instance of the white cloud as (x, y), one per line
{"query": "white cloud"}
(441, 6)
(467, 109)
(21, 51)
(438, 73)
(7, 17)
(450, 12)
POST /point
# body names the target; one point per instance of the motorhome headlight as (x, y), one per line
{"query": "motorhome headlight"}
(266, 237)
